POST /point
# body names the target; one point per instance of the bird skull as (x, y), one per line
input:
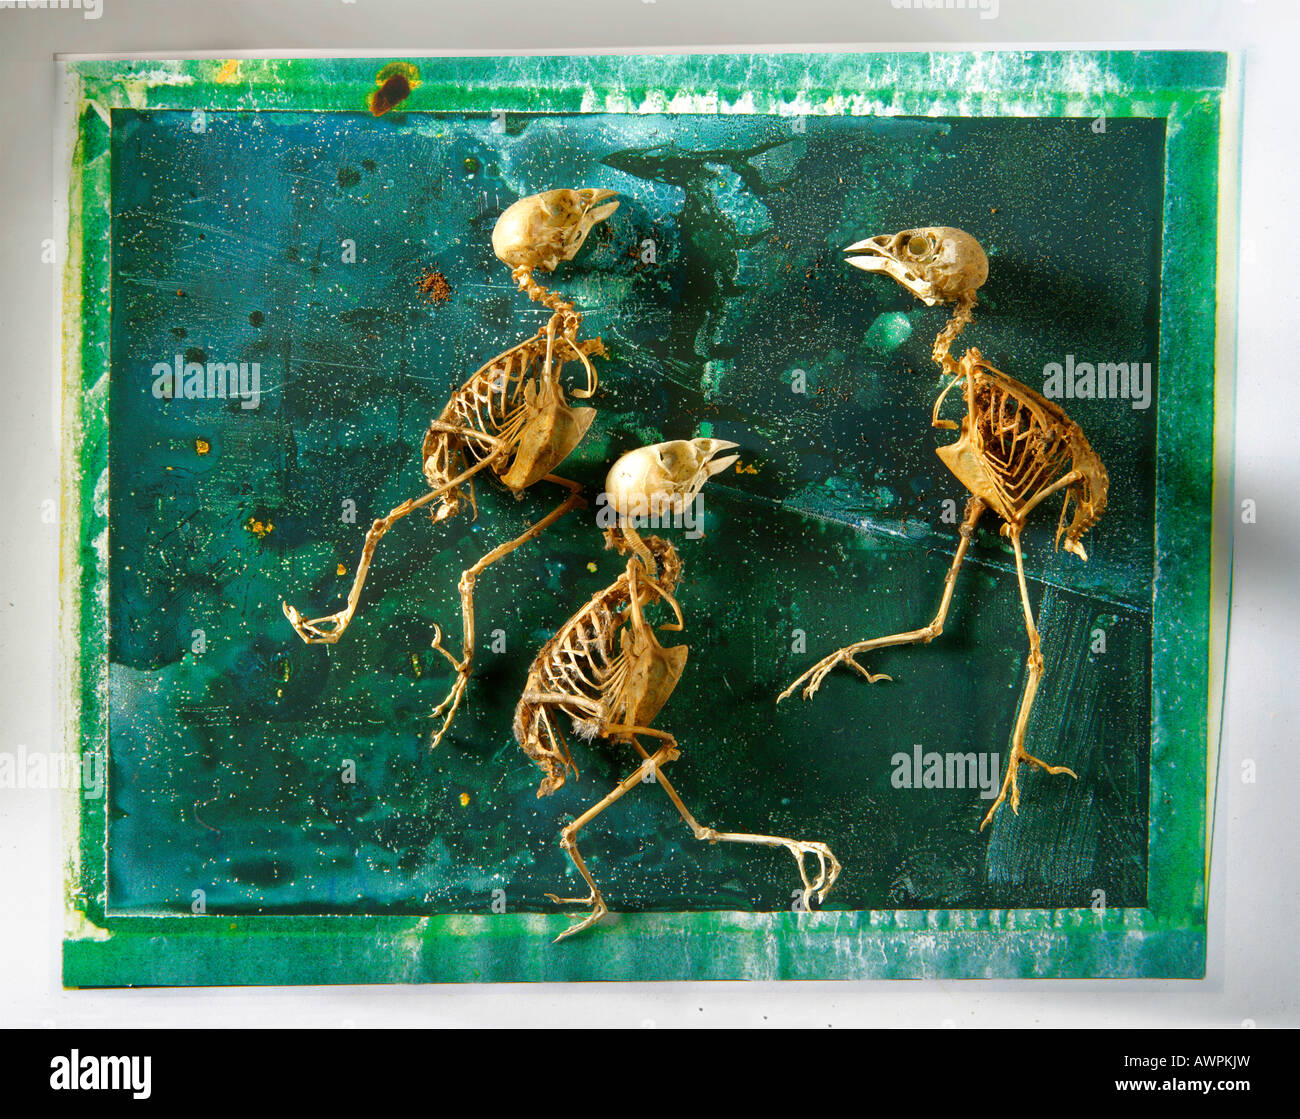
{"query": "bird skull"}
(541, 230)
(937, 264)
(664, 478)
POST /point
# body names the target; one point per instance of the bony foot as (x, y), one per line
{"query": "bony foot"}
(815, 675)
(598, 910)
(1011, 787)
(828, 869)
(318, 631)
(450, 705)
(451, 702)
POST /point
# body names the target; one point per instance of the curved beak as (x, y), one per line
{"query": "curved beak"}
(872, 256)
(708, 449)
(592, 196)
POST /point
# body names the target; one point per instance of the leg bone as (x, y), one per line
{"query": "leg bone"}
(812, 679)
(1018, 754)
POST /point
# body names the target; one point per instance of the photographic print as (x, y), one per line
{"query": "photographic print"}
(465, 455)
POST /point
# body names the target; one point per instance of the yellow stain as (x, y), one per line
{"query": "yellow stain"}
(202, 446)
(591, 567)
(258, 528)
(464, 800)
(342, 570)
(229, 71)
(745, 468)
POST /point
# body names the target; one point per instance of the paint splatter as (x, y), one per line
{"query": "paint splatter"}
(396, 81)
(434, 284)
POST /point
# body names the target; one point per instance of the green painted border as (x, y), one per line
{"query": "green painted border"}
(1167, 939)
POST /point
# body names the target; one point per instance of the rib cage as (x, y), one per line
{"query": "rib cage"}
(490, 402)
(580, 663)
(1024, 448)
(1026, 442)
(580, 672)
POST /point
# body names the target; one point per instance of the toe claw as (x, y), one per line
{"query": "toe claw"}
(598, 911)
(569, 901)
(823, 668)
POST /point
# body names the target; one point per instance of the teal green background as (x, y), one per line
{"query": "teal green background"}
(227, 765)
(224, 767)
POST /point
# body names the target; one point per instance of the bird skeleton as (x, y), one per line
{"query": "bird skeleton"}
(606, 671)
(511, 416)
(1015, 449)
